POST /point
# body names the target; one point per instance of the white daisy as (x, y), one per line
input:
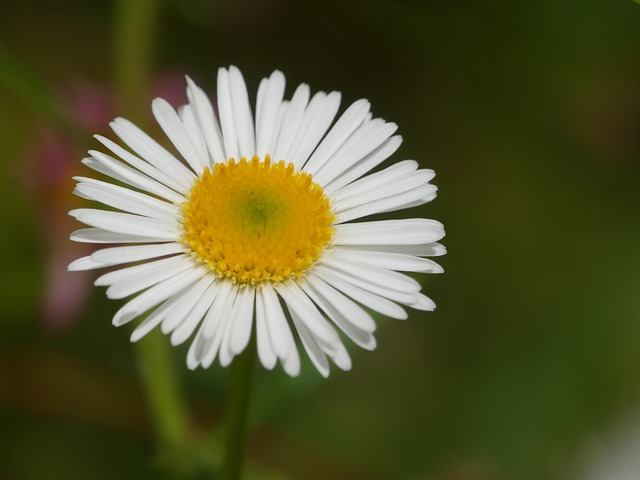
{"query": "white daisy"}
(254, 225)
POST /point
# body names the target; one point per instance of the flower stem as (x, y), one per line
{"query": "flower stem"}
(166, 403)
(134, 37)
(240, 387)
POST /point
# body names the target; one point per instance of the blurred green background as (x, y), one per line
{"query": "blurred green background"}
(530, 114)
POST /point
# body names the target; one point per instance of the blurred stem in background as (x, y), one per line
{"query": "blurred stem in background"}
(134, 35)
(242, 370)
(135, 26)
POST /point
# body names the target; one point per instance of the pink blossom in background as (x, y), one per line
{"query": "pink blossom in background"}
(88, 108)
(64, 295)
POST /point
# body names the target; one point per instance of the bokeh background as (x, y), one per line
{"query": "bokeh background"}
(528, 370)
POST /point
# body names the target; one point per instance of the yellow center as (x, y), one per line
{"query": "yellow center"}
(253, 221)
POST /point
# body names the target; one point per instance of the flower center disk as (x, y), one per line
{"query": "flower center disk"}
(254, 221)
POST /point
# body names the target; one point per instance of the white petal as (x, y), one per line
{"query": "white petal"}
(355, 314)
(176, 131)
(291, 122)
(350, 120)
(372, 282)
(279, 331)
(196, 350)
(282, 113)
(115, 276)
(315, 353)
(154, 319)
(214, 345)
(262, 88)
(317, 119)
(94, 164)
(391, 188)
(423, 303)
(83, 263)
(363, 142)
(124, 199)
(341, 358)
(291, 364)
(364, 165)
(266, 354)
(242, 113)
(155, 272)
(128, 224)
(402, 201)
(225, 110)
(189, 324)
(145, 167)
(225, 297)
(268, 105)
(412, 231)
(205, 346)
(187, 303)
(433, 249)
(382, 277)
(340, 317)
(157, 294)
(422, 195)
(207, 120)
(297, 301)
(152, 151)
(194, 130)
(336, 352)
(99, 235)
(225, 353)
(366, 298)
(375, 180)
(119, 171)
(242, 321)
(392, 261)
(128, 254)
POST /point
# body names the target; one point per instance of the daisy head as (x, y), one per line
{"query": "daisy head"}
(259, 224)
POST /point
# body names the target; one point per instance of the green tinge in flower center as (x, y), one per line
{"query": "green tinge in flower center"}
(254, 221)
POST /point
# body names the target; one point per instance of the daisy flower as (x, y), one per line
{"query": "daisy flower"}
(259, 220)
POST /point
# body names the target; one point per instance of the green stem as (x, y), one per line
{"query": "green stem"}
(240, 387)
(134, 35)
(163, 390)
